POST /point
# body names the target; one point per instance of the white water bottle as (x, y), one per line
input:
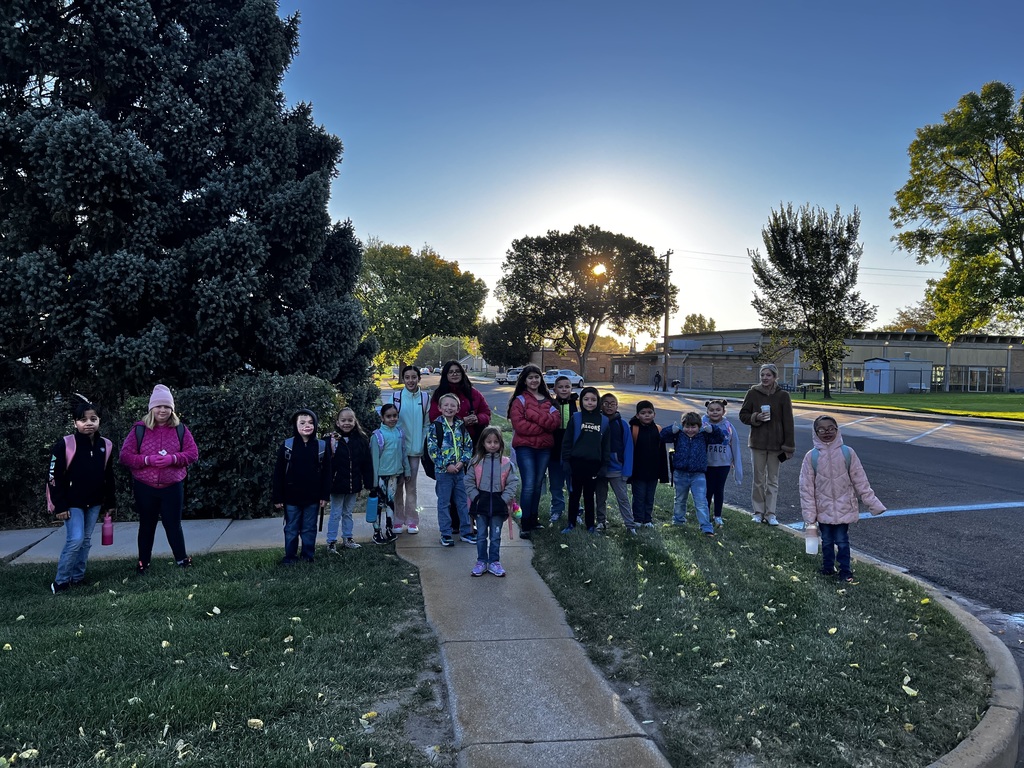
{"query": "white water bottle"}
(811, 539)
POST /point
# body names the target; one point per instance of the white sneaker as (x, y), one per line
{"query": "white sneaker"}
(719, 522)
(773, 520)
(349, 544)
(398, 529)
(757, 519)
(413, 529)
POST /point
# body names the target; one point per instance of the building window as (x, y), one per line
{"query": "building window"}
(615, 370)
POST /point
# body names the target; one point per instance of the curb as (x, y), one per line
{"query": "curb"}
(993, 742)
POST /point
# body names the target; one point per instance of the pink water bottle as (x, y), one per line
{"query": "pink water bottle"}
(108, 531)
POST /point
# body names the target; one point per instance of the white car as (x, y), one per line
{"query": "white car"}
(574, 378)
(511, 376)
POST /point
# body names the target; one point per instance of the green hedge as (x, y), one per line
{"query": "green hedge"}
(238, 428)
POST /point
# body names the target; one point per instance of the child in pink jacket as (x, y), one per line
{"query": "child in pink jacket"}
(831, 481)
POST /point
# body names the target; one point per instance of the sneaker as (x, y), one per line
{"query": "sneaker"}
(495, 569)
(82, 582)
(847, 577)
(141, 568)
(719, 522)
(525, 535)
(569, 528)
(709, 534)
(648, 525)
(289, 561)
(773, 520)
(378, 537)
(64, 587)
(757, 519)
(469, 538)
(391, 536)
(349, 544)
(555, 518)
(399, 529)
(447, 541)
(332, 547)
(412, 529)
(602, 527)
(592, 529)
(679, 522)
(830, 572)
(184, 563)
(631, 531)
(479, 568)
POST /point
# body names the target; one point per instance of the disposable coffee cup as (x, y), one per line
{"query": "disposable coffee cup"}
(766, 412)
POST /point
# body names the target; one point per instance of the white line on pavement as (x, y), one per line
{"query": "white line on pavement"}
(930, 431)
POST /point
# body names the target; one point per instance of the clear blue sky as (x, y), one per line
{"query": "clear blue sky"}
(467, 125)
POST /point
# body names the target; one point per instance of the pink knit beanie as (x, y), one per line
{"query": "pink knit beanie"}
(161, 396)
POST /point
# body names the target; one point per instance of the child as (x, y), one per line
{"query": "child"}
(534, 419)
(450, 459)
(352, 471)
(413, 404)
(689, 464)
(80, 484)
(650, 463)
(620, 466)
(302, 485)
(565, 403)
(721, 456)
(491, 484)
(831, 480)
(585, 449)
(390, 464)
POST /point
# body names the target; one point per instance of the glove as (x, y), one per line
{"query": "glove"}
(158, 461)
(706, 428)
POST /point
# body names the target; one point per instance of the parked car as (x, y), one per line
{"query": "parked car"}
(511, 376)
(575, 379)
(425, 370)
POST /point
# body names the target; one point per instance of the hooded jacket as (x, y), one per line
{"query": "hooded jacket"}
(691, 453)
(776, 434)
(88, 482)
(534, 422)
(829, 495)
(303, 478)
(650, 461)
(160, 438)
(351, 465)
(489, 498)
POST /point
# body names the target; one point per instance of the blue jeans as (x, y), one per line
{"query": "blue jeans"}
(451, 489)
(696, 483)
(532, 463)
(342, 505)
(79, 528)
(557, 480)
(488, 528)
(643, 500)
(299, 521)
(835, 537)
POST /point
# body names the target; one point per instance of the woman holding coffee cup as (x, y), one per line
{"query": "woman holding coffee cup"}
(768, 411)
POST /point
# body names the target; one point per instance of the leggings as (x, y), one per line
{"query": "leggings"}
(584, 484)
(716, 488)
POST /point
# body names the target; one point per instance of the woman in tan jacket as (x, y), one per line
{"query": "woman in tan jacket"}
(768, 411)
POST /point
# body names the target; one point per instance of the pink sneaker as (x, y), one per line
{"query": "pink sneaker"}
(399, 529)
(479, 568)
(496, 569)
(413, 529)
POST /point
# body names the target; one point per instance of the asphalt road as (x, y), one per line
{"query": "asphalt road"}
(932, 476)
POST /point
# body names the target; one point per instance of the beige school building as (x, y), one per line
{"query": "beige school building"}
(876, 361)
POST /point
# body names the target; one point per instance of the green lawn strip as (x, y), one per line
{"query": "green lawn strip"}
(990, 405)
(173, 665)
(730, 641)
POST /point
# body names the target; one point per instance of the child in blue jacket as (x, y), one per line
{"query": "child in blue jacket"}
(689, 463)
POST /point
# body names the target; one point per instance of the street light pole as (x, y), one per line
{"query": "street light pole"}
(668, 304)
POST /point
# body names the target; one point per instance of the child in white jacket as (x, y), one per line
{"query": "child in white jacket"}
(831, 481)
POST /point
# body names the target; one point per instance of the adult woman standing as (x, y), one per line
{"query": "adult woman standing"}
(534, 419)
(474, 412)
(768, 411)
(158, 452)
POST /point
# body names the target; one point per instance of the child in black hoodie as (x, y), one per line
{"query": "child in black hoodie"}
(302, 485)
(586, 449)
(650, 463)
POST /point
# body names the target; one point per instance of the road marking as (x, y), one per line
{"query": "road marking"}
(930, 431)
(929, 510)
(858, 421)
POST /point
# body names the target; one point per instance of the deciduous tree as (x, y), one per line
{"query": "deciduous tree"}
(807, 283)
(508, 341)
(409, 296)
(568, 286)
(964, 204)
(698, 324)
(161, 213)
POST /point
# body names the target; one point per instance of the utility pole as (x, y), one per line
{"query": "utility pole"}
(668, 305)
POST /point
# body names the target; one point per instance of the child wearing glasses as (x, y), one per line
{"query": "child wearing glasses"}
(831, 481)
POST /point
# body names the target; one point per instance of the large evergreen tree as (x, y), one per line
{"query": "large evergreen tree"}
(162, 214)
(807, 283)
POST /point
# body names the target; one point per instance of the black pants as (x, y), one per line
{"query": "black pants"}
(716, 488)
(160, 504)
(584, 484)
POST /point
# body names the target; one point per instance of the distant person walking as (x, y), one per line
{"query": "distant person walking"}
(657, 381)
(768, 411)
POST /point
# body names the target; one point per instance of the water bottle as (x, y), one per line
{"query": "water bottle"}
(108, 531)
(811, 539)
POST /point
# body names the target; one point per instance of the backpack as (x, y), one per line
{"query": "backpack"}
(814, 458)
(396, 400)
(289, 445)
(69, 454)
(140, 432)
(428, 463)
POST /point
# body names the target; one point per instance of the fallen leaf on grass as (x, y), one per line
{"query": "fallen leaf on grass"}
(832, 630)
(20, 618)
(369, 715)
(909, 691)
(926, 601)
(908, 727)
(28, 754)
(213, 726)
(855, 666)
(297, 619)
(255, 723)
(7, 647)
(564, 546)
(912, 635)
(165, 644)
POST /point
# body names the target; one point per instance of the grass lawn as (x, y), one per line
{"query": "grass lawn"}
(735, 651)
(177, 667)
(992, 405)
